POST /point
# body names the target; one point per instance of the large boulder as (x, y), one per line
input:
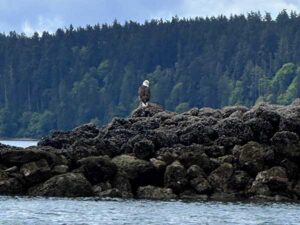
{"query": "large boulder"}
(22, 156)
(286, 144)
(239, 180)
(201, 185)
(290, 118)
(199, 133)
(36, 172)
(144, 149)
(175, 177)
(220, 176)
(132, 166)
(98, 168)
(163, 138)
(262, 129)
(157, 193)
(139, 172)
(160, 167)
(65, 185)
(252, 157)
(234, 127)
(266, 112)
(122, 183)
(275, 179)
(291, 167)
(195, 171)
(11, 185)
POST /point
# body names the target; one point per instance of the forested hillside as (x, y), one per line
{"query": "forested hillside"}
(78, 75)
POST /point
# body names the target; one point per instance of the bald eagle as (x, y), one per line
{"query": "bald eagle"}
(144, 93)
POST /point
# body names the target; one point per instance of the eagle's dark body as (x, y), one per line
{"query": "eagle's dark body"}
(144, 94)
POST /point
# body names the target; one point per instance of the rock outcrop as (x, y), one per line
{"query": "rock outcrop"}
(229, 153)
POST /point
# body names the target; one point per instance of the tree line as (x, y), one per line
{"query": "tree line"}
(91, 74)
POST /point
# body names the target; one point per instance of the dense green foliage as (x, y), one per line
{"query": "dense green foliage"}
(74, 76)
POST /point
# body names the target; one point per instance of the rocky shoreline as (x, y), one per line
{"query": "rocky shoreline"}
(233, 153)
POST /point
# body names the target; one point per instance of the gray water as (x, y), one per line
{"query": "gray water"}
(25, 210)
(20, 210)
(19, 143)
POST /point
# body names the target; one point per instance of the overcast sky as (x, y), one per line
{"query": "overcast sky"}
(38, 15)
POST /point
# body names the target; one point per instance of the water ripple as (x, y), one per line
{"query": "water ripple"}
(24, 210)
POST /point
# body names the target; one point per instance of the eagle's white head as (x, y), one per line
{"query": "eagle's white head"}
(146, 83)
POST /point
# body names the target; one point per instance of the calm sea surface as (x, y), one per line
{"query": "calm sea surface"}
(24, 210)
(20, 210)
(19, 143)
